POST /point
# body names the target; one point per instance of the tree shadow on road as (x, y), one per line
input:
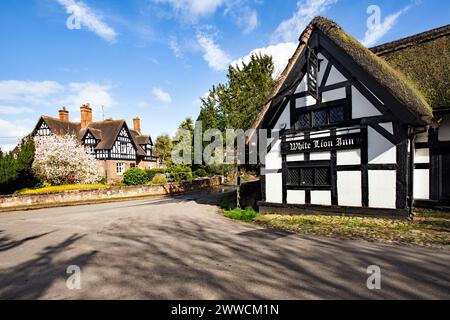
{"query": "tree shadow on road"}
(7, 243)
(31, 279)
(208, 261)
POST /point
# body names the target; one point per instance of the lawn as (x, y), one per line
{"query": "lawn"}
(54, 189)
(428, 229)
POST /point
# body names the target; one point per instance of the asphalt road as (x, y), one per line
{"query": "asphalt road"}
(182, 248)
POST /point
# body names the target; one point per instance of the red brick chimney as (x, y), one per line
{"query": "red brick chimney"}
(137, 125)
(64, 115)
(86, 115)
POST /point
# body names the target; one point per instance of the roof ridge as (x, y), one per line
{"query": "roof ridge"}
(412, 40)
(58, 119)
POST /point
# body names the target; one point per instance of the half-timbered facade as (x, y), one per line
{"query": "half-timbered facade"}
(116, 147)
(350, 131)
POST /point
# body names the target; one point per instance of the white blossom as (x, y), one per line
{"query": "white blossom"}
(63, 160)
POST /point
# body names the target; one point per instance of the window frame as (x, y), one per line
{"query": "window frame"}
(120, 168)
(309, 165)
(328, 107)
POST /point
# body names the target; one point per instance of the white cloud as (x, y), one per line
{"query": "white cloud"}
(380, 30)
(250, 21)
(11, 132)
(174, 46)
(193, 9)
(281, 53)
(28, 91)
(89, 19)
(161, 95)
(14, 94)
(216, 58)
(14, 110)
(18, 98)
(12, 129)
(143, 105)
(290, 29)
(95, 94)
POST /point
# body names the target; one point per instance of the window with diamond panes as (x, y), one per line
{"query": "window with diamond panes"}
(309, 177)
(322, 177)
(337, 114)
(321, 117)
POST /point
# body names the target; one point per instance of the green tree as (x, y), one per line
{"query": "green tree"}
(15, 170)
(163, 147)
(184, 142)
(236, 104)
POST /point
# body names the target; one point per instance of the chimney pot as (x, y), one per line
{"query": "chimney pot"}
(64, 115)
(86, 115)
(137, 124)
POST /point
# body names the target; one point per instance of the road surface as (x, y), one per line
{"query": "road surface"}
(182, 248)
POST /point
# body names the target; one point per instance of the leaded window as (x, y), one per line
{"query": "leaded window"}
(320, 117)
(309, 176)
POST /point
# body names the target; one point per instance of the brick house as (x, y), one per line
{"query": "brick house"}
(116, 147)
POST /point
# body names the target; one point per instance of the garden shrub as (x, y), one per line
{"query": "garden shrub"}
(200, 173)
(151, 173)
(159, 179)
(135, 177)
(181, 172)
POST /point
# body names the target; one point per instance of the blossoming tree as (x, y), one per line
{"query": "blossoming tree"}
(63, 160)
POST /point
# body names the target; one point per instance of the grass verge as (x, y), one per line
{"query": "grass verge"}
(429, 229)
(247, 215)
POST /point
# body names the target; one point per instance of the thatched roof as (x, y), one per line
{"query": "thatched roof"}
(62, 128)
(105, 131)
(392, 80)
(425, 60)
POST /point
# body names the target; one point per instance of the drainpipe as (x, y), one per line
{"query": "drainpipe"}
(412, 153)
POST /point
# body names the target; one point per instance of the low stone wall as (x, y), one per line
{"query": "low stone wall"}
(250, 194)
(80, 196)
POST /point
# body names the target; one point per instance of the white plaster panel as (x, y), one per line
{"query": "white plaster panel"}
(332, 95)
(349, 157)
(349, 188)
(444, 129)
(274, 188)
(322, 198)
(273, 158)
(388, 126)
(295, 197)
(305, 102)
(302, 86)
(320, 156)
(335, 77)
(422, 156)
(361, 107)
(382, 189)
(323, 66)
(422, 184)
(285, 118)
(381, 150)
(295, 157)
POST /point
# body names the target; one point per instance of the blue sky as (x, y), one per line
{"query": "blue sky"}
(156, 58)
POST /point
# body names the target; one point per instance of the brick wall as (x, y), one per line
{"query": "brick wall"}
(108, 193)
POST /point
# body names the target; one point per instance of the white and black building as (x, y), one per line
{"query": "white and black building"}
(359, 130)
